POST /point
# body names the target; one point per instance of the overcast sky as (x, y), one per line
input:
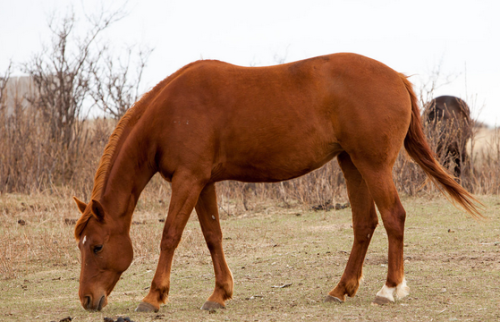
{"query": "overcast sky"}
(461, 38)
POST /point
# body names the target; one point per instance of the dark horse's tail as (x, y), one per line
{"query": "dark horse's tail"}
(417, 147)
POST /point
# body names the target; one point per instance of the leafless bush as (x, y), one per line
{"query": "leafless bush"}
(32, 160)
(62, 81)
(46, 137)
(116, 86)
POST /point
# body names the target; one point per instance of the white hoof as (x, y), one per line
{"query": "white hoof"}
(400, 291)
(387, 292)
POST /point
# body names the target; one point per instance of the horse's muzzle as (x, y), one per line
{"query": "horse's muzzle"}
(89, 305)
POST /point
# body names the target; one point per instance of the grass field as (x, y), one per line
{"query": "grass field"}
(452, 264)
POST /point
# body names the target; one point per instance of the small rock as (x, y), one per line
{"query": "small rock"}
(70, 221)
(66, 319)
(339, 206)
(326, 206)
(282, 286)
(22, 223)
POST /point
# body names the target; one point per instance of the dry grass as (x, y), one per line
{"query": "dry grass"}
(452, 264)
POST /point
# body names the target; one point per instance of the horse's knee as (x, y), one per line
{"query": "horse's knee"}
(363, 231)
(213, 240)
(170, 242)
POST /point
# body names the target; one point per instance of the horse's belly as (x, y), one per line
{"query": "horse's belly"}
(284, 163)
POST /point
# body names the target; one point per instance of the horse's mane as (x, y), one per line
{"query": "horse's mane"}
(115, 141)
(104, 164)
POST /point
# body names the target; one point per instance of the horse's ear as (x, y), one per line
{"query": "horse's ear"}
(97, 209)
(81, 205)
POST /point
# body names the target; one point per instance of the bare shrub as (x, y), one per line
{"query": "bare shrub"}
(62, 81)
(116, 87)
(32, 160)
(47, 139)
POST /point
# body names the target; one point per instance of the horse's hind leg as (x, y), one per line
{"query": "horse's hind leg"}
(186, 189)
(382, 188)
(364, 220)
(208, 215)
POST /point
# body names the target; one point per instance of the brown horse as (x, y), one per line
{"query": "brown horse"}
(213, 121)
(447, 120)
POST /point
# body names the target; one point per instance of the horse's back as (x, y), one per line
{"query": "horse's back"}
(278, 122)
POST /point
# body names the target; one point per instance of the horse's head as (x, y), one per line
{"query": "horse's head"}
(106, 252)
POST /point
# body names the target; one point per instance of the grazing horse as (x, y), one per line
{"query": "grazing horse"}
(213, 121)
(447, 120)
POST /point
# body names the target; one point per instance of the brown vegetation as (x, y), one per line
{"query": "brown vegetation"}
(38, 156)
(44, 116)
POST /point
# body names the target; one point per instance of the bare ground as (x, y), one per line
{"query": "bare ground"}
(452, 264)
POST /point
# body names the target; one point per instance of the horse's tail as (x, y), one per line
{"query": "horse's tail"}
(418, 149)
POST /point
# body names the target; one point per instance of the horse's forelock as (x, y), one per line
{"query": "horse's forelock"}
(81, 224)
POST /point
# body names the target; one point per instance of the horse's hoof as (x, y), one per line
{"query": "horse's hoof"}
(333, 299)
(208, 305)
(379, 301)
(146, 307)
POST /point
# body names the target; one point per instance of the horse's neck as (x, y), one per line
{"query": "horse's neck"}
(129, 173)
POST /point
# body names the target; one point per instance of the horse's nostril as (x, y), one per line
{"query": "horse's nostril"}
(87, 303)
(101, 302)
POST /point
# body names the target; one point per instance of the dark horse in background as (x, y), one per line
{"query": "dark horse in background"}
(448, 123)
(212, 121)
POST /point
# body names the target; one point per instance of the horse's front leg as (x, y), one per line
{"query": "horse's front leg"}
(185, 192)
(208, 215)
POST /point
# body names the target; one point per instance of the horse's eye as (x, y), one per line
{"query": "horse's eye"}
(97, 249)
